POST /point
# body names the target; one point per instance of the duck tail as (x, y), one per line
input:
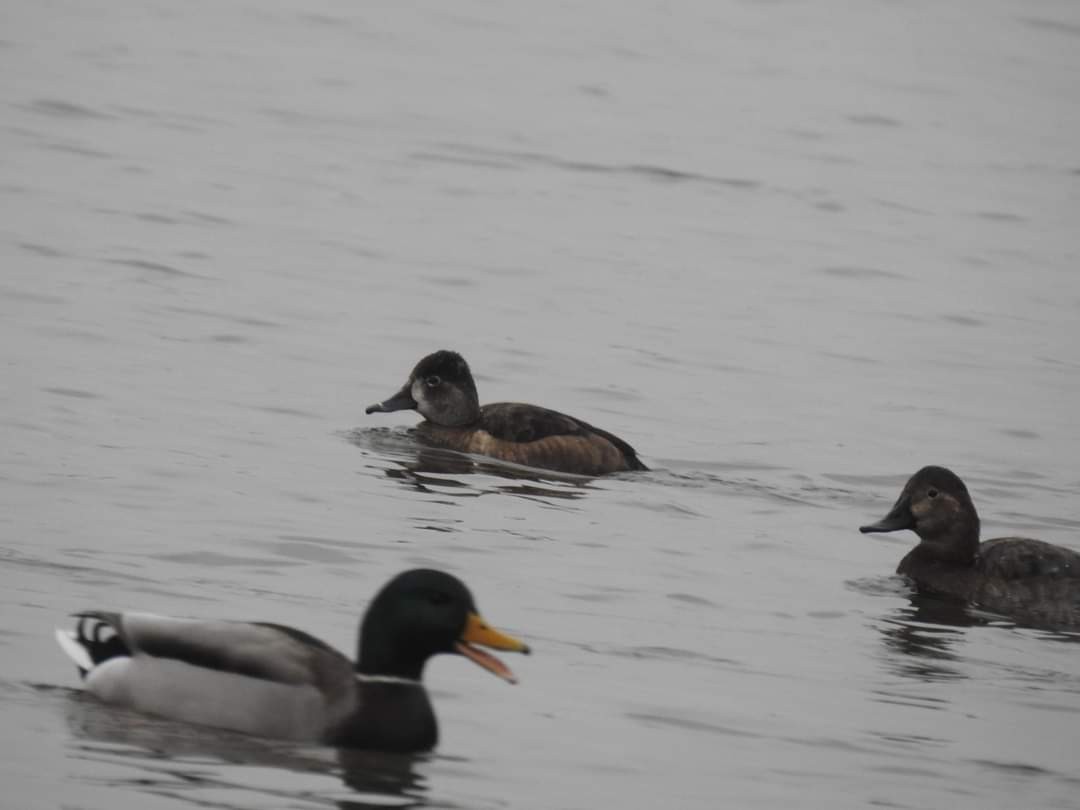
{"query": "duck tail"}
(69, 643)
(86, 648)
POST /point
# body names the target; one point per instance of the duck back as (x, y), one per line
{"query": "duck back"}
(1047, 601)
(1015, 558)
(537, 437)
(1032, 582)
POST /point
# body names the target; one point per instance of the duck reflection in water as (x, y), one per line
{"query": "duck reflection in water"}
(148, 743)
(429, 469)
(379, 775)
(923, 636)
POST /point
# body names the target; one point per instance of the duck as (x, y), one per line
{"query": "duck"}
(271, 680)
(1031, 581)
(441, 388)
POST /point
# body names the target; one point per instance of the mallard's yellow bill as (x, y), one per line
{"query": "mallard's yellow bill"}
(477, 631)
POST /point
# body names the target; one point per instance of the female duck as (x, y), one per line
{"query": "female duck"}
(1031, 581)
(275, 681)
(441, 388)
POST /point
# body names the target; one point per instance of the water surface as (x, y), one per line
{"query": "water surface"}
(791, 252)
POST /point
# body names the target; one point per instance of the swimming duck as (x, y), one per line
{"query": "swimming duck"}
(1031, 581)
(442, 389)
(275, 681)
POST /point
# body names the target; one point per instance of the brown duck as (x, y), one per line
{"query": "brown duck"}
(1033, 582)
(442, 390)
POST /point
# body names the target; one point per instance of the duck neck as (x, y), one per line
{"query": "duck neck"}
(389, 716)
(460, 409)
(462, 412)
(956, 544)
(377, 654)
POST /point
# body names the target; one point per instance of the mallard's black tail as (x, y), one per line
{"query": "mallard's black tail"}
(94, 640)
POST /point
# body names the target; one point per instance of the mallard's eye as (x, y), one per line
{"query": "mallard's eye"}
(438, 597)
(433, 381)
(931, 493)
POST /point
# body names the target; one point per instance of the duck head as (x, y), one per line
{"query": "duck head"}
(935, 505)
(422, 613)
(440, 388)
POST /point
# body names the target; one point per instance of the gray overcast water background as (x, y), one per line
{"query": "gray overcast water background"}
(791, 251)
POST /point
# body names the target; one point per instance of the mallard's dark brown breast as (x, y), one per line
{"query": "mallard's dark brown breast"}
(389, 717)
(537, 437)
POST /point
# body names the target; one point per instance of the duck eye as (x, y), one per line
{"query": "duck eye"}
(931, 493)
(433, 381)
(438, 597)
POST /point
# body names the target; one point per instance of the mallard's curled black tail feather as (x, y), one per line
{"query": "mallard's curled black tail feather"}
(94, 641)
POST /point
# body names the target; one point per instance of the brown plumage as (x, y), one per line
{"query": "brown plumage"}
(1033, 582)
(442, 389)
(583, 454)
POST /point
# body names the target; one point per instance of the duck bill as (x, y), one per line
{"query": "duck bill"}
(401, 401)
(477, 631)
(899, 518)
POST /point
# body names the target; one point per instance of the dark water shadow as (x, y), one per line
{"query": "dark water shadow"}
(434, 470)
(925, 642)
(475, 156)
(919, 638)
(182, 761)
(926, 609)
(922, 638)
(377, 775)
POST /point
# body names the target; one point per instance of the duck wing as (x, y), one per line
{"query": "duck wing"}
(269, 652)
(1013, 558)
(518, 422)
(263, 679)
(522, 423)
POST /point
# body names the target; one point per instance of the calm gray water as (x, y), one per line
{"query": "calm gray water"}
(791, 251)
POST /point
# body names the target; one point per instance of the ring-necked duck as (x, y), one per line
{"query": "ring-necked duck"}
(275, 681)
(1032, 581)
(441, 388)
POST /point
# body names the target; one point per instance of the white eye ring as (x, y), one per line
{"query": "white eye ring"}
(433, 381)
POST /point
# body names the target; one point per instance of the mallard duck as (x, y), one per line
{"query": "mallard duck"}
(275, 681)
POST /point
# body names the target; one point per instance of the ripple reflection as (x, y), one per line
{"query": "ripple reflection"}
(182, 761)
(430, 470)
